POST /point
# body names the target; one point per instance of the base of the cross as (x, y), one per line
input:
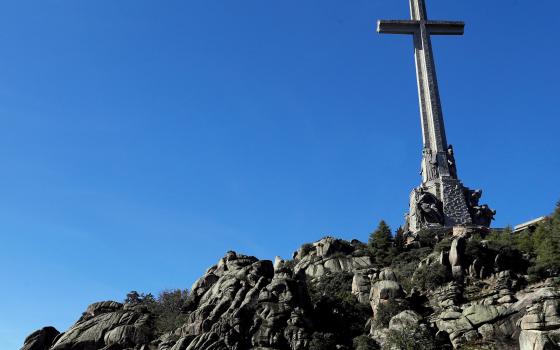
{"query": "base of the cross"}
(445, 202)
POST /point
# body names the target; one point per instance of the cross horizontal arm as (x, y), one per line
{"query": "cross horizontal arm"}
(411, 26)
(445, 27)
(397, 26)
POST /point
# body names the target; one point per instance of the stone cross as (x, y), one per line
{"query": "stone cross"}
(441, 200)
(433, 130)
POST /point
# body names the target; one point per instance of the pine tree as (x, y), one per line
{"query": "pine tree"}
(381, 244)
(399, 241)
(546, 242)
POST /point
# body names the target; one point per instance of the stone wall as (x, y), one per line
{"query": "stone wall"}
(455, 207)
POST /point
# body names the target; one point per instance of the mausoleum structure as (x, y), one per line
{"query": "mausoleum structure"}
(441, 200)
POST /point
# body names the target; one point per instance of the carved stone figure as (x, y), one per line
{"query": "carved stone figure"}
(430, 164)
(472, 197)
(451, 162)
(483, 215)
(429, 208)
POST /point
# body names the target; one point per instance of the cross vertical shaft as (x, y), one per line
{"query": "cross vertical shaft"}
(418, 10)
(421, 28)
(433, 129)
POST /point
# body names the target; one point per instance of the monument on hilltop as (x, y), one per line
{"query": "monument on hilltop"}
(441, 200)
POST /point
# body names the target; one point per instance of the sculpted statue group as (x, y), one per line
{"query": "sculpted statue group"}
(429, 211)
(429, 208)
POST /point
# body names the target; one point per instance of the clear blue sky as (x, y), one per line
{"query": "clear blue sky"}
(141, 140)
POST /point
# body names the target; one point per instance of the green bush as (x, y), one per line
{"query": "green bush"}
(336, 285)
(322, 341)
(475, 250)
(386, 311)
(363, 342)
(430, 277)
(427, 238)
(443, 245)
(546, 242)
(307, 248)
(336, 310)
(411, 336)
(289, 264)
(541, 246)
(167, 308)
(406, 263)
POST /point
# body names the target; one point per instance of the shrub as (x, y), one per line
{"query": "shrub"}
(133, 297)
(167, 308)
(542, 246)
(289, 264)
(444, 244)
(307, 248)
(427, 238)
(411, 336)
(363, 342)
(475, 250)
(322, 341)
(336, 285)
(430, 277)
(335, 309)
(386, 311)
(406, 263)
(546, 242)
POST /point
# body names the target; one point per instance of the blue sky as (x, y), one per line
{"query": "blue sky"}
(141, 140)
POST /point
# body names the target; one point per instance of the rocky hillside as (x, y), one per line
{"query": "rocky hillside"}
(463, 289)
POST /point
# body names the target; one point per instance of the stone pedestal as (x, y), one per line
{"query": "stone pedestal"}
(438, 203)
(455, 209)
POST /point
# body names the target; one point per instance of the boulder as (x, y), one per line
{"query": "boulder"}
(249, 306)
(329, 245)
(41, 339)
(454, 324)
(128, 336)
(404, 319)
(539, 340)
(206, 341)
(385, 290)
(100, 308)
(446, 296)
(456, 257)
(486, 331)
(387, 274)
(457, 251)
(330, 255)
(361, 284)
(542, 316)
(278, 263)
(99, 320)
(480, 314)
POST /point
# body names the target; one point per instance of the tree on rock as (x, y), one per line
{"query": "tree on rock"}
(546, 240)
(399, 240)
(381, 244)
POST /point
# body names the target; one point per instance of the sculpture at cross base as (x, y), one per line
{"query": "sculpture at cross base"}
(455, 204)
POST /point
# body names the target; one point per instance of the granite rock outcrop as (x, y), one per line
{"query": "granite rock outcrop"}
(244, 303)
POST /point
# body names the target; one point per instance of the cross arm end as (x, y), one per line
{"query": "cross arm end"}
(446, 27)
(385, 26)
